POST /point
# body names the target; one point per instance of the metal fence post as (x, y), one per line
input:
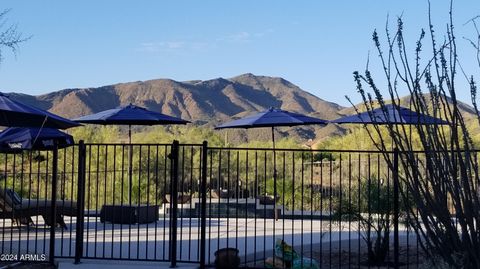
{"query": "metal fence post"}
(53, 205)
(396, 209)
(173, 204)
(80, 202)
(203, 207)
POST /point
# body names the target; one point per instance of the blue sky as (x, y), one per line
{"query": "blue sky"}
(314, 44)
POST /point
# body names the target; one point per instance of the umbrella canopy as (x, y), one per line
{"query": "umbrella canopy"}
(130, 115)
(391, 114)
(271, 118)
(16, 139)
(17, 114)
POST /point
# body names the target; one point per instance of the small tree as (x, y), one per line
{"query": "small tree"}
(10, 37)
(443, 179)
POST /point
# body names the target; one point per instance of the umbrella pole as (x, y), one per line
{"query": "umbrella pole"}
(274, 175)
(226, 138)
(130, 134)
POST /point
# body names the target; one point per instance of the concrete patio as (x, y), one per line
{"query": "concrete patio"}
(146, 243)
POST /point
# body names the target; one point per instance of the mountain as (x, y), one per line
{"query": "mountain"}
(208, 102)
(466, 109)
(212, 102)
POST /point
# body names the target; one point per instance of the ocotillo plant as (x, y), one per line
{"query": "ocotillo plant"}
(441, 178)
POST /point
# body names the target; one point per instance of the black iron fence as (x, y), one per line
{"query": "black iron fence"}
(30, 209)
(183, 202)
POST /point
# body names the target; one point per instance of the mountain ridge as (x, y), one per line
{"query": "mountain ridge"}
(204, 102)
(246, 92)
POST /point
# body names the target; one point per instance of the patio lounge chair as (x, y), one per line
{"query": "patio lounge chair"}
(267, 199)
(182, 198)
(20, 210)
(221, 193)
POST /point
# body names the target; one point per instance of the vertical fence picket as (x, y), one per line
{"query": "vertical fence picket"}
(174, 202)
(203, 207)
(53, 209)
(80, 202)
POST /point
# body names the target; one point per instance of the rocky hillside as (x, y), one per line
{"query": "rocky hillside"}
(207, 102)
(212, 102)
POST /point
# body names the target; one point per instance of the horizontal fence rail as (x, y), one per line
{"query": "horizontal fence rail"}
(184, 202)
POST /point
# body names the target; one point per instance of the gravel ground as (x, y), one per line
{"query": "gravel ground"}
(344, 258)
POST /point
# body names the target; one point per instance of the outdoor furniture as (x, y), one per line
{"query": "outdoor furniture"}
(267, 199)
(182, 198)
(129, 214)
(227, 258)
(221, 193)
(20, 210)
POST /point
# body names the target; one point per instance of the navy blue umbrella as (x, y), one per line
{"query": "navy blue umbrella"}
(272, 118)
(391, 114)
(130, 115)
(17, 114)
(15, 139)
